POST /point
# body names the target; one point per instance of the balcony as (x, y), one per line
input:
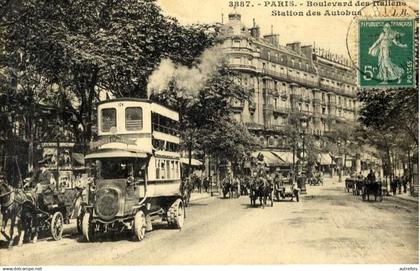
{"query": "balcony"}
(267, 91)
(239, 50)
(340, 78)
(295, 97)
(278, 128)
(237, 107)
(281, 110)
(303, 81)
(275, 74)
(254, 126)
(244, 67)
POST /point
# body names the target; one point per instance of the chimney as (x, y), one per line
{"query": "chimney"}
(234, 17)
(307, 50)
(295, 46)
(255, 30)
(273, 39)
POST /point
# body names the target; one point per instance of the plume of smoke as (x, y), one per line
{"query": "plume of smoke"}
(188, 80)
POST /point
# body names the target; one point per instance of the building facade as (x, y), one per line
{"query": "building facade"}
(316, 84)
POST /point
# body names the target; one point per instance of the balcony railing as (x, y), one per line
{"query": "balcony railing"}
(281, 110)
(303, 81)
(243, 66)
(254, 126)
(275, 74)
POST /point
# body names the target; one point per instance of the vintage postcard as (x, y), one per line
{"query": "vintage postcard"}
(209, 132)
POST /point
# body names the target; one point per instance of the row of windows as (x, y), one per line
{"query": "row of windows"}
(164, 124)
(165, 145)
(167, 169)
(133, 119)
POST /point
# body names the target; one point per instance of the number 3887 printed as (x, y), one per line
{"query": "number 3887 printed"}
(239, 4)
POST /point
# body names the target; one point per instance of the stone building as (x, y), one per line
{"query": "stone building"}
(317, 84)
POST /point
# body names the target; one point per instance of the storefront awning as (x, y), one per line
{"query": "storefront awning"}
(270, 160)
(194, 162)
(78, 157)
(324, 159)
(286, 157)
(114, 153)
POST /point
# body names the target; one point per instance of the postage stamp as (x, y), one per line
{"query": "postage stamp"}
(386, 53)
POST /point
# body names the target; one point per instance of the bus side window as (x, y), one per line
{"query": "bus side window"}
(168, 170)
(162, 169)
(157, 163)
(173, 173)
(177, 169)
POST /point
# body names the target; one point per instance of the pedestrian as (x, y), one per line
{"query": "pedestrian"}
(399, 183)
(339, 175)
(394, 186)
(371, 176)
(404, 180)
(206, 184)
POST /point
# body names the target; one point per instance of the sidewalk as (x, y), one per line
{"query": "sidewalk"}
(406, 197)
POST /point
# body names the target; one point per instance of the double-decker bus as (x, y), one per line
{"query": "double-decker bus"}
(138, 174)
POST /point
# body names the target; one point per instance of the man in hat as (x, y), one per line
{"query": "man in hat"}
(42, 180)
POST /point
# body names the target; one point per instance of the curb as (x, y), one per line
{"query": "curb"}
(415, 200)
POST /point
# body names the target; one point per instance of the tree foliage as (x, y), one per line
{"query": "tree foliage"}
(391, 111)
(207, 122)
(80, 47)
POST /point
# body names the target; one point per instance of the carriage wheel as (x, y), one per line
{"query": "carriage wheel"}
(139, 225)
(87, 227)
(176, 215)
(57, 226)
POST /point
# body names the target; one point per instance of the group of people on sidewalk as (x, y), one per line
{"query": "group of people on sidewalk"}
(400, 183)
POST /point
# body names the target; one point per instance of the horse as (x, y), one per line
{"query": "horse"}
(358, 188)
(244, 186)
(260, 189)
(226, 188)
(12, 203)
(372, 188)
(254, 193)
(186, 189)
(350, 185)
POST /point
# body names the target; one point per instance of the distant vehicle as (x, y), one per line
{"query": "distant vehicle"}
(137, 162)
(286, 188)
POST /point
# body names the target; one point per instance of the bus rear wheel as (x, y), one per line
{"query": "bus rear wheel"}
(176, 215)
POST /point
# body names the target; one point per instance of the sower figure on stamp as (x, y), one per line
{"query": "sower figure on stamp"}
(388, 71)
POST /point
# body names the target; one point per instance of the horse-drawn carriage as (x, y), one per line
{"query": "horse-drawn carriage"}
(261, 189)
(350, 184)
(50, 210)
(315, 180)
(286, 188)
(373, 188)
(230, 188)
(45, 210)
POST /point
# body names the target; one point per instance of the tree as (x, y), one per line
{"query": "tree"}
(80, 48)
(207, 122)
(391, 110)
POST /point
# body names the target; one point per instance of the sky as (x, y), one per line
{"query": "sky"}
(323, 31)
